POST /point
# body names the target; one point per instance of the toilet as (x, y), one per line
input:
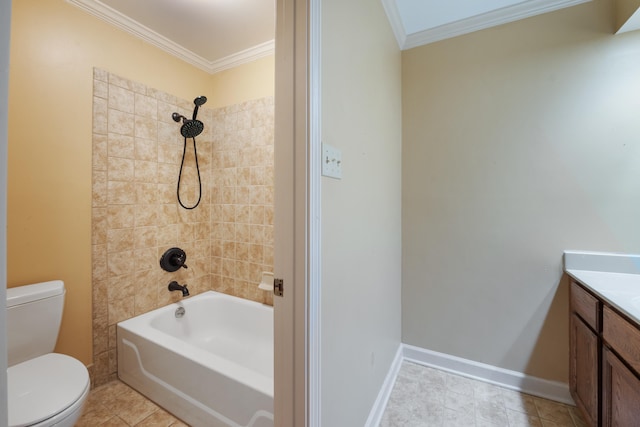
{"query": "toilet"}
(44, 388)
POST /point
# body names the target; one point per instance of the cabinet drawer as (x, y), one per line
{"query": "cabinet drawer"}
(585, 305)
(622, 336)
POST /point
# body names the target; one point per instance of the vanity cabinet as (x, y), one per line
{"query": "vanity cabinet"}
(604, 361)
(584, 352)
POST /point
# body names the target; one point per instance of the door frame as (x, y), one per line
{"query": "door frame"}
(5, 34)
(297, 214)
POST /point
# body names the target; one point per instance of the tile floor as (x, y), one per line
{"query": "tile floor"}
(117, 405)
(427, 397)
(421, 397)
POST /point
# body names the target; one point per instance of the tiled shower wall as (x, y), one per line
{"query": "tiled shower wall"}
(228, 237)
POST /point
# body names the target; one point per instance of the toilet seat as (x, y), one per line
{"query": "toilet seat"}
(43, 388)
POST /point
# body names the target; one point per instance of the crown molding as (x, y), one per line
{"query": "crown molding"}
(242, 57)
(113, 17)
(475, 23)
(393, 16)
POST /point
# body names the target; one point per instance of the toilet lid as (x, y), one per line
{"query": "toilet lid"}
(42, 387)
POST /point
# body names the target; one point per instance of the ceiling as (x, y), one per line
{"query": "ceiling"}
(218, 34)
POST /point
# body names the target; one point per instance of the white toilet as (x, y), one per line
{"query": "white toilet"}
(45, 388)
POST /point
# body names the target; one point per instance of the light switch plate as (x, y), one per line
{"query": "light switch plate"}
(331, 161)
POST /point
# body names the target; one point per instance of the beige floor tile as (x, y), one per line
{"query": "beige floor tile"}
(467, 403)
(94, 415)
(114, 422)
(159, 418)
(459, 403)
(521, 419)
(555, 412)
(453, 418)
(520, 402)
(491, 411)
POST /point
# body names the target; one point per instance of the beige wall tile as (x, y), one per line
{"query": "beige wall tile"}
(100, 113)
(119, 263)
(122, 286)
(100, 89)
(120, 193)
(146, 194)
(121, 99)
(99, 158)
(99, 189)
(137, 154)
(121, 146)
(146, 215)
(120, 122)
(146, 106)
(119, 239)
(145, 171)
(145, 237)
(99, 226)
(120, 169)
(146, 149)
(146, 127)
(120, 309)
(99, 263)
(120, 216)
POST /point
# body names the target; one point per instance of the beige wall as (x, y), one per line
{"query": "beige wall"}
(54, 47)
(253, 80)
(361, 116)
(518, 142)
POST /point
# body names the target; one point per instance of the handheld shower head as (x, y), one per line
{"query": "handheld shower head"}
(198, 102)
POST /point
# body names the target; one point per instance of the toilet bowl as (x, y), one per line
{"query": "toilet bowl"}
(49, 390)
(44, 388)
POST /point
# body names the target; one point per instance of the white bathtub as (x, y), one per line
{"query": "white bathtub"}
(212, 367)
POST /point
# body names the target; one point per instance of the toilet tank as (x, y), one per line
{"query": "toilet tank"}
(34, 313)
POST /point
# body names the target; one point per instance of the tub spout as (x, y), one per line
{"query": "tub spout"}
(175, 286)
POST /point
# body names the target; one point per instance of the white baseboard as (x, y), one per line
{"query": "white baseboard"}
(385, 391)
(552, 390)
(513, 380)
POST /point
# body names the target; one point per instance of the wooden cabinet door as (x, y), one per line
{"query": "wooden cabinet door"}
(620, 393)
(583, 377)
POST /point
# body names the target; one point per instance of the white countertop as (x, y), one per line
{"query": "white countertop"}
(613, 277)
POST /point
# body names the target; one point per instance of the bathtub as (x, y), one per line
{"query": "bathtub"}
(213, 366)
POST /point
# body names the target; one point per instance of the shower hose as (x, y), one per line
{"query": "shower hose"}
(195, 154)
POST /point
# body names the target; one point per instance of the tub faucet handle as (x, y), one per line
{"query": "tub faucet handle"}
(173, 259)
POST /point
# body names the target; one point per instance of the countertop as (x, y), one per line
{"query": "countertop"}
(615, 278)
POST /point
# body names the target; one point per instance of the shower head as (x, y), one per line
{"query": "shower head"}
(198, 101)
(191, 128)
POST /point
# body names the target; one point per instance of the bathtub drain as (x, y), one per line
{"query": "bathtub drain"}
(179, 312)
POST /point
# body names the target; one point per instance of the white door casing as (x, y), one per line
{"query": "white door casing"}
(297, 214)
(5, 25)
